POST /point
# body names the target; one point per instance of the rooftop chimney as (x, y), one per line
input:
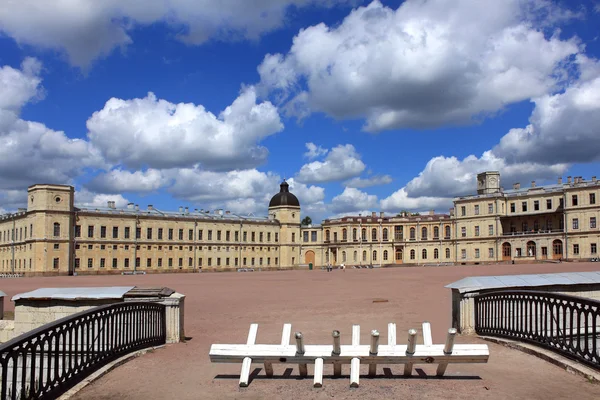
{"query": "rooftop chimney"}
(431, 212)
(150, 207)
(130, 206)
(381, 214)
(374, 214)
(187, 210)
(517, 186)
(532, 183)
(227, 212)
(594, 178)
(560, 180)
(451, 212)
(568, 179)
(137, 207)
(180, 209)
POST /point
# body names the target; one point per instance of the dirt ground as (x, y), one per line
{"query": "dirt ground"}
(220, 307)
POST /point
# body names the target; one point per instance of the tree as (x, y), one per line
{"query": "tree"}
(306, 220)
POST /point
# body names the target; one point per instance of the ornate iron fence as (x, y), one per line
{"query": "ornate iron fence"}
(569, 325)
(48, 361)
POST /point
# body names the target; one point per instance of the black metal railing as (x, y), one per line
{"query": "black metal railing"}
(569, 325)
(46, 362)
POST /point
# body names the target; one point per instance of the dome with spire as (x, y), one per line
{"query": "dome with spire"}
(284, 197)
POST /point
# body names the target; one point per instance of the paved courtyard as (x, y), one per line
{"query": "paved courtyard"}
(221, 306)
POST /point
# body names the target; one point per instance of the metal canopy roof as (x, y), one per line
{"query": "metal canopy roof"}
(476, 283)
(74, 293)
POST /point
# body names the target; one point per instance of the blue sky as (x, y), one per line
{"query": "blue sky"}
(362, 106)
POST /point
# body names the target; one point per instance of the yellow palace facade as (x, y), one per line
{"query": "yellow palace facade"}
(524, 224)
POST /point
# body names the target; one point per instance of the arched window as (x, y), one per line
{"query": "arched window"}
(436, 254)
(424, 253)
(424, 233)
(447, 252)
(374, 234)
(374, 255)
(436, 232)
(355, 255)
(335, 236)
(412, 234)
(344, 234)
(327, 235)
(385, 255)
(343, 256)
(385, 234)
(354, 231)
(412, 254)
(364, 255)
(364, 234)
(56, 229)
(447, 231)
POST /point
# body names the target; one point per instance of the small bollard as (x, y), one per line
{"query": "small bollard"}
(300, 350)
(337, 349)
(410, 350)
(441, 369)
(373, 351)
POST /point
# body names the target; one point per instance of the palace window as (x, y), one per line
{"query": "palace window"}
(524, 206)
(91, 231)
(424, 233)
(436, 232)
(476, 209)
(103, 232)
(305, 236)
(355, 256)
(436, 254)
(191, 234)
(412, 233)
(513, 207)
(576, 249)
(385, 234)
(463, 254)
(463, 211)
(574, 200)
(548, 204)
(575, 223)
(491, 252)
(424, 254)
(592, 222)
(115, 232)
(448, 233)
(374, 234)
(313, 236)
(412, 254)
(536, 205)
(476, 253)
(477, 230)
(344, 234)
(138, 233)
(593, 248)
(385, 255)
(180, 234)
(491, 230)
(447, 252)
(592, 198)
(56, 229)
(463, 231)
(149, 233)
(374, 255)
(490, 208)
(364, 255)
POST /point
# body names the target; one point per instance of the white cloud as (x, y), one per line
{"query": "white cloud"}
(87, 29)
(400, 200)
(314, 151)
(563, 128)
(85, 198)
(119, 180)
(352, 200)
(159, 134)
(20, 86)
(307, 194)
(425, 64)
(375, 180)
(30, 152)
(342, 162)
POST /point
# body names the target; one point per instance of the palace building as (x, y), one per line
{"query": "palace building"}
(55, 236)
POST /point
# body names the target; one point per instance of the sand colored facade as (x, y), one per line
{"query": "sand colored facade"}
(54, 236)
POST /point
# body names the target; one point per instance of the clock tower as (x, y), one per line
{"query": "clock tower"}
(488, 182)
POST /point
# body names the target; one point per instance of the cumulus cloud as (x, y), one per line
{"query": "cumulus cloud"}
(342, 162)
(85, 198)
(375, 180)
(314, 151)
(564, 128)
(400, 200)
(88, 29)
(351, 200)
(425, 64)
(159, 134)
(30, 152)
(119, 180)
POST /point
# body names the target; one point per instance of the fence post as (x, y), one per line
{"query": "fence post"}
(337, 367)
(355, 362)
(300, 350)
(245, 373)
(373, 351)
(441, 369)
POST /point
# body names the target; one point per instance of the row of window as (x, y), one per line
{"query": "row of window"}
(398, 234)
(20, 263)
(15, 234)
(170, 248)
(158, 262)
(170, 234)
(537, 205)
(592, 223)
